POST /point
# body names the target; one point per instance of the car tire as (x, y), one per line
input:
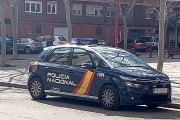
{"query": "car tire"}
(109, 98)
(36, 89)
(27, 50)
(152, 106)
(134, 48)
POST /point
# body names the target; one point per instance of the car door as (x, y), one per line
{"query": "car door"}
(81, 72)
(130, 43)
(21, 43)
(55, 69)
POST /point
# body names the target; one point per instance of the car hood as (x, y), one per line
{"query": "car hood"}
(141, 72)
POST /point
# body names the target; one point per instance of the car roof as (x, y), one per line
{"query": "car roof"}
(87, 47)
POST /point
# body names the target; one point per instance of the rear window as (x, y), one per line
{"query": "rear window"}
(140, 41)
(62, 39)
(146, 39)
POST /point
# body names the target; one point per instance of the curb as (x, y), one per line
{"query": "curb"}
(13, 85)
(171, 105)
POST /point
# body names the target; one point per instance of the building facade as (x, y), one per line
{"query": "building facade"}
(90, 19)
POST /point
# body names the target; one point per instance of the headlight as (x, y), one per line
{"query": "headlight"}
(127, 78)
(134, 85)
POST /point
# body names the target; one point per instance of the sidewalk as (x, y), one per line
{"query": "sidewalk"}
(17, 76)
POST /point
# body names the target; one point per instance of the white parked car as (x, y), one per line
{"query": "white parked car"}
(59, 40)
(148, 42)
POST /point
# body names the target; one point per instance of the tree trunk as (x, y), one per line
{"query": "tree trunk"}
(13, 24)
(125, 32)
(161, 35)
(3, 34)
(107, 32)
(176, 37)
(165, 31)
(68, 20)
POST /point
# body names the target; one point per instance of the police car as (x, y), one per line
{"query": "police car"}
(111, 76)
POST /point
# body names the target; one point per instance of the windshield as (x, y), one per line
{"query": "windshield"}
(120, 58)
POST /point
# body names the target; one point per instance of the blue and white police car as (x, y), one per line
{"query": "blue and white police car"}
(111, 76)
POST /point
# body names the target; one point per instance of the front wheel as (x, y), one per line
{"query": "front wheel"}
(109, 98)
(36, 89)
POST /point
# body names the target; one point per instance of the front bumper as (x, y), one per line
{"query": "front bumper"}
(145, 95)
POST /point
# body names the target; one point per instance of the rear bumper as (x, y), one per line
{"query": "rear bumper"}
(37, 49)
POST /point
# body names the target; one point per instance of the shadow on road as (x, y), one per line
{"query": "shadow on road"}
(125, 111)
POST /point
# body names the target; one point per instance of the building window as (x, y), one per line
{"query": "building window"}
(77, 10)
(93, 10)
(33, 6)
(173, 17)
(7, 21)
(157, 16)
(130, 14)
(98, 31)
(110, 12)
(52, 7)
(38, 29)
(148, 13)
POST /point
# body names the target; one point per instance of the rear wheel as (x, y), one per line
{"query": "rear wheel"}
(27, 50)
(109, 98)
(36, 88)
(134, 48)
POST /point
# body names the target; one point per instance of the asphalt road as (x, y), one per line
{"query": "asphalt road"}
(16, 104)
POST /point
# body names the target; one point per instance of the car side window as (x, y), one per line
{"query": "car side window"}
(129, 41)
(60, 56)
(80, 56)
(98, 61)
(23, 41)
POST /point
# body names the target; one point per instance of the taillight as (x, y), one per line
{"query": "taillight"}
(33, 43)
(30, 64)
(60, 42)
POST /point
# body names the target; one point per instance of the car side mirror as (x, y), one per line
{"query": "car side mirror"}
(86, 65)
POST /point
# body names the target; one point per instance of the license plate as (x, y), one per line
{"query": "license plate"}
(160, 90)
(144, 46)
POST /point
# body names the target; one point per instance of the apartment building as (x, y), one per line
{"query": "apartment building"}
(90, 19)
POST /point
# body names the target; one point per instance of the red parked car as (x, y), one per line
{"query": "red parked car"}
(137, 44)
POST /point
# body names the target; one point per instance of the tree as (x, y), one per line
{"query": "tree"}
(3, 34)
(124, 12)
(68, 20)
(166, 10)
(107, 21)
(12, 4)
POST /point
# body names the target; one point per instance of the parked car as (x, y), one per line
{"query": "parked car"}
(148, 41)
(101, 42)
(87, 41)
(59, 40)
(110, 76)
(137, 44)
(9, 44)
(27, 45)
(81, 41)
(46, 40)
